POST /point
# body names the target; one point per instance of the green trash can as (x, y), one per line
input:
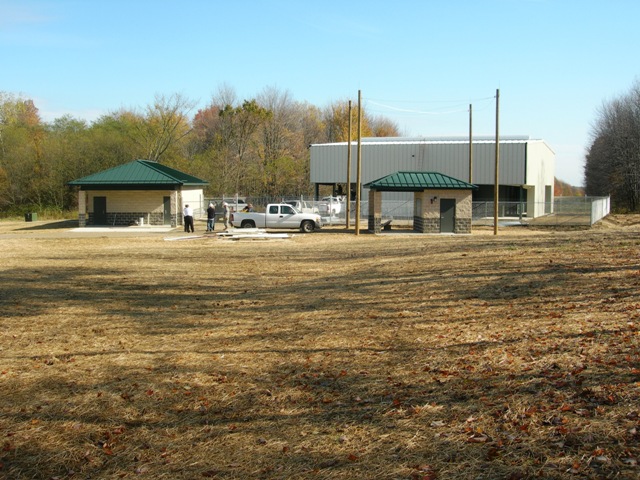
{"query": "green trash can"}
(34, 216)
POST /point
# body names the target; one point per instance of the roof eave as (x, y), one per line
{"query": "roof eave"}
(420, 189)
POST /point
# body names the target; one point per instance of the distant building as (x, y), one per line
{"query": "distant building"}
(526, 176)
(141, 190)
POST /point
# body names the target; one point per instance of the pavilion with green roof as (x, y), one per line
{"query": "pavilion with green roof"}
(442, 204)
(137, 192)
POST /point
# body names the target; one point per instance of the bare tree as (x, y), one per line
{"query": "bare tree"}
(164, 124)
(225, 95)
(281, 143)
(280, 127)
(241, 125)
(613, 160)
(336, 120)
(383, 127)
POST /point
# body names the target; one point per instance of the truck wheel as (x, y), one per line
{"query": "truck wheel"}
(248, 224)
(307, 226)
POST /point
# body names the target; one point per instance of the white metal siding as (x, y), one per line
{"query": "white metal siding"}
(540, 174)
(329, 161)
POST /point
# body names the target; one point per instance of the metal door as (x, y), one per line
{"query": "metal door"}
(166, 217)
(99, 210)
(447, 215)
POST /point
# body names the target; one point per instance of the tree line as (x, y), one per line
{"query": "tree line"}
(256, 146)
(612, 164)
(564, 189)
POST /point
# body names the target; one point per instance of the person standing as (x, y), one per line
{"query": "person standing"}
(188, 219)
(211, 217)
(226, 213)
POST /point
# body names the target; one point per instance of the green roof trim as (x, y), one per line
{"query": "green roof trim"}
(417, 181)
(144, 173)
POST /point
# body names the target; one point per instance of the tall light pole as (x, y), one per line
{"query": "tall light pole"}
(497, 176)
(348, 202)
(470, 143)
(359, 168)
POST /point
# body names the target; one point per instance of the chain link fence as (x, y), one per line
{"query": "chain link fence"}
(567, 211)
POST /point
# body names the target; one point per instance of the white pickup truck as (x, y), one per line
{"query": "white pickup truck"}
(278, 215)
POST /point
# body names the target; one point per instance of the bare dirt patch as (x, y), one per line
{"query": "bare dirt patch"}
(326, 356)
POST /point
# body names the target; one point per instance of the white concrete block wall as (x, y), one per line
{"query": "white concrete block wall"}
(149, 201)
(195, 199)
(122, 201)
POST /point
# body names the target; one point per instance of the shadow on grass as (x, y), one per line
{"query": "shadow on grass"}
(112, 373)
(57, 225)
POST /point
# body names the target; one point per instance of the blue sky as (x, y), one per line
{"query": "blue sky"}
(418, 62)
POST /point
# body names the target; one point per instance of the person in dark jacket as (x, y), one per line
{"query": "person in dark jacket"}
(211, 217)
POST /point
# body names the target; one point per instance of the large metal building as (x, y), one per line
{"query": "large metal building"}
(526, 176)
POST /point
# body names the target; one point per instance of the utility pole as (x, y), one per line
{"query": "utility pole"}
(359, 159)
(470, 143)
(497, 177)
(348, 202)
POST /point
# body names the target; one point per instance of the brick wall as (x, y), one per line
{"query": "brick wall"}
(375, 211)
(429, 221)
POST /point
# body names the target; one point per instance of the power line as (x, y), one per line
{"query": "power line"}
(459, 100)
(404, 110)
(457, 108)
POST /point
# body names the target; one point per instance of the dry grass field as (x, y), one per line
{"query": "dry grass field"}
(323, 356)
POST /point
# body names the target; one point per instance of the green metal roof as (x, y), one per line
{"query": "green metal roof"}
(138, 173)
(417, 181)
